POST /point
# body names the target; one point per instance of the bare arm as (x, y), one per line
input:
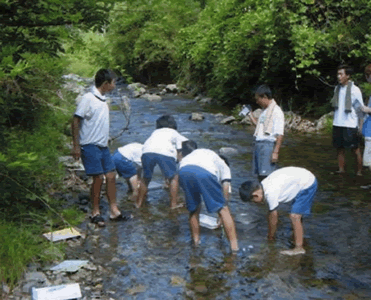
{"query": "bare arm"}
(75, 126)
(226, 185)
(277, 148)
(272, 224)
(253, 120)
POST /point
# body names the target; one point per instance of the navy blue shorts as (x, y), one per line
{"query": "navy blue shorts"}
(304, 200)
(345, 137)
(96, 160)
(124, 167)
(167, 165)
(197, 182)
(262, 158)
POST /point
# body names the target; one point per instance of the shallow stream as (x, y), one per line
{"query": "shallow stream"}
(151, 256)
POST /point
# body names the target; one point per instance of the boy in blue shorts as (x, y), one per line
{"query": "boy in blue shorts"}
(203, 173)
(127, 160)
(90, 133)
(162, 148)
(284, 185)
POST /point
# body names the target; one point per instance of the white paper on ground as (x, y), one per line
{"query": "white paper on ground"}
(69, 266)
(57, 292)
(208, 222)
(63, 234)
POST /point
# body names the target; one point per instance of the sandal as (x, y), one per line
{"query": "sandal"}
(98, 220)
(122, 217)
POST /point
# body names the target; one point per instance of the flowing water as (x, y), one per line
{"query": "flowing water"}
(152, 257)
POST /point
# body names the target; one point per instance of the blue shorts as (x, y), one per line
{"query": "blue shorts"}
(124, 167)
(262, 158)
(197, 182)
(304, 200)
(167, 165)
(96, 160)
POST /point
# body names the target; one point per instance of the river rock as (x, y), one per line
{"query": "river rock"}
(228, 151)
(228, 120)
(322, 121)
(152, 97)
(206, 100)
(292, 120)
(139, 92)
(136, 86)
(196, 117)
(172, 88)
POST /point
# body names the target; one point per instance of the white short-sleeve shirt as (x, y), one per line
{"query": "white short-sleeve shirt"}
(165, 141)
(284, 184)
(341, 118)
(208, 160)
(278, 125)
(132, 152)
(94, 113)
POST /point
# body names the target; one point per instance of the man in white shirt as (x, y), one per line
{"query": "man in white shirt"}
(162, 148)
(347, 124)
(204, 174)
(268, 133)
(289, 184)
(127, 160)
(90, 132)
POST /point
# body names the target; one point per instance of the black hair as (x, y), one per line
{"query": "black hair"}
(264, 90)
(225, 159)
(348, 70)
(247, 188)
(104, 75)
(188, 147)
(166, 121)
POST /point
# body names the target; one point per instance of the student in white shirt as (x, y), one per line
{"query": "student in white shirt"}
(162, 148)
(289, 184)
(204, 174)
(90, 132)
(127, 160)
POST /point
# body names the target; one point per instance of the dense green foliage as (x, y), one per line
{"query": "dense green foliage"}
(226, 47)
(34, 112)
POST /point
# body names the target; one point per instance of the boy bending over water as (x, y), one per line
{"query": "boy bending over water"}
(290, 184)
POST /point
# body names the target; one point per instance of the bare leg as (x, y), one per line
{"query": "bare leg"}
(142, 192)
(134, 187)
(95, 193)
(174, 188)
(111, 194)
(194, 224)
(297, 226)
(229, 226)
(341, 159)
(130, 188)
(358, 155)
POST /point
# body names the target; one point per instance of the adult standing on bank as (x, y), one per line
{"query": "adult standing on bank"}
(268, 133)
(347, 124)
(90, 132)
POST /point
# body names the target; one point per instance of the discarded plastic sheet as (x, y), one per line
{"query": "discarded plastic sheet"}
(154, 186)
(63, 234)
(57, 292)
(208, 222)
(69, 266)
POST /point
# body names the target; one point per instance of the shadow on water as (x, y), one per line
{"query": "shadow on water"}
(151, 256)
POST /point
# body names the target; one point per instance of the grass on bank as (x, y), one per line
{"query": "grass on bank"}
(22, 243)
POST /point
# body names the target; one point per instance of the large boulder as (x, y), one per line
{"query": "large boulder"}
(139, 92)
